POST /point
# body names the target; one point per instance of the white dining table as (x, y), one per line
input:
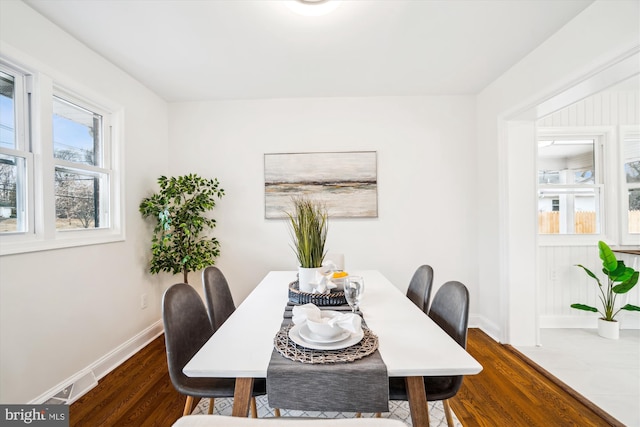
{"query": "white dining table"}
(410, 343)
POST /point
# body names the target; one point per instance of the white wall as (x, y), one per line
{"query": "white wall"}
(62, 310)
(426, 188)
(606, 30)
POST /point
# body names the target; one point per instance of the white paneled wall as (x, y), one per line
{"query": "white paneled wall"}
(610, 108)
(560, 282)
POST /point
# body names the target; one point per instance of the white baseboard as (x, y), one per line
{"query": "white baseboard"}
(84, 380)
(488, 327)
(116, 357)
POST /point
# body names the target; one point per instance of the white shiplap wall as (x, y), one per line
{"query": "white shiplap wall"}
(610, 108)
(560, 283)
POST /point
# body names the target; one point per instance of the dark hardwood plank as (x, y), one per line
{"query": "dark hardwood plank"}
(510, 391)
(138, 392)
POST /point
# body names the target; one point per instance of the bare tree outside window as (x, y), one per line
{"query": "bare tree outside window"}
(77, 134)
(75, 200)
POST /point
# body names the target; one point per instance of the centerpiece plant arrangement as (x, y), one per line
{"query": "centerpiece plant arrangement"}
(181, 242)
(308, 226)
(620, 279)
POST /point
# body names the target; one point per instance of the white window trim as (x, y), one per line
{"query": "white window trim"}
(606, 161)
(626, 238)
(23, 83)
(42, 234)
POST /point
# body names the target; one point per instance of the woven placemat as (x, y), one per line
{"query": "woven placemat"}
(289, 349)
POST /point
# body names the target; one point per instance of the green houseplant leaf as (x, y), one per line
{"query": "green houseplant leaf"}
(620, 279)
(609, 261)
(180, 241)
(584, 307)
(627, 285)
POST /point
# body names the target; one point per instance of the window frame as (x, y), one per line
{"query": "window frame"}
(40, 200)
(22, 117)
(106, 162)
(626, 238)
(605, 153)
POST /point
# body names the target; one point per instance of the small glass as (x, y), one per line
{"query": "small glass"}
(353, 290)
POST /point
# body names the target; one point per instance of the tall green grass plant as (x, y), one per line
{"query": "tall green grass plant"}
(309, 226)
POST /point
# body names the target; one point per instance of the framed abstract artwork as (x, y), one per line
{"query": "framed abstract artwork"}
(346, 182)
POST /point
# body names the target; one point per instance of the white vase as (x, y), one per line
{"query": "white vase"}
(608, 329)
(307, 276)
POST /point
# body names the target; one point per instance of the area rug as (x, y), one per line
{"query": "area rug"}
(397, 409)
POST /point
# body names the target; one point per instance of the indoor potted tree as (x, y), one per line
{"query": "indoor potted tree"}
(309, 225)
(620, 279)
(180, 242)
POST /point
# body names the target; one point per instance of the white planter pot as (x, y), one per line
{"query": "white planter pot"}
(307, 276)
(608, 329)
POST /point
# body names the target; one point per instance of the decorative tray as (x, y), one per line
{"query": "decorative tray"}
(296, 296)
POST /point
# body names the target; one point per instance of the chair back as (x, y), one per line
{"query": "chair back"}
(186, 328)
(218, 296)
(450, 310)
(419, 291)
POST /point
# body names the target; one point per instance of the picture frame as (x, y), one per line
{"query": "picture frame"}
(346, 182)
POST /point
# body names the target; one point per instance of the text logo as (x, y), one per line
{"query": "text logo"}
(34, 415)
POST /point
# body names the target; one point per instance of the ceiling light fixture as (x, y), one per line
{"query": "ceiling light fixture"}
(312, 7)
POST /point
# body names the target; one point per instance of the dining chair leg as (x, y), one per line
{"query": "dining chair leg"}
(212, 404)
(447, 412)
(276, 411)
(187, 406)
(378, 415)
(254, 408)
(358, 414)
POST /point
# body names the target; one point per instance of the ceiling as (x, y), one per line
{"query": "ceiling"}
(187, 50)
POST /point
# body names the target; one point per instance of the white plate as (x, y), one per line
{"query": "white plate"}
(354, 338)
(306, 334)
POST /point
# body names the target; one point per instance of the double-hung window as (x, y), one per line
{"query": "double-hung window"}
(16, 160)
(82, 165)
(589, 184)
(59, 164)
(570, 184)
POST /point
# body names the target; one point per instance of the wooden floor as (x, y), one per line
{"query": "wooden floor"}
(508, 392)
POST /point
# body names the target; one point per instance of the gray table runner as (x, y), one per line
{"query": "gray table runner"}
(359, 386)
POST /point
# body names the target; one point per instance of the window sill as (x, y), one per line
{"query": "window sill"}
(569, 239)
(36, 245)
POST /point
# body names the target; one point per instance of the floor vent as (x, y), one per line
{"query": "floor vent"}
(69, 394)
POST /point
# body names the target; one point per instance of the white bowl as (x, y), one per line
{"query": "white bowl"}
(322, 328)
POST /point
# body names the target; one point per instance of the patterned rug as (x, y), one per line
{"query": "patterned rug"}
(397, 409)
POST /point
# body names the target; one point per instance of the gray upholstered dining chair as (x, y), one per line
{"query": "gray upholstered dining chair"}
(450, 310)
(220, 303)
(218, 296)
(186, 329)
(419, 291)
